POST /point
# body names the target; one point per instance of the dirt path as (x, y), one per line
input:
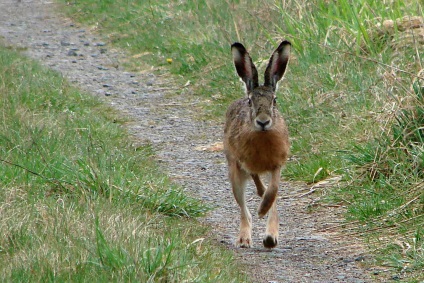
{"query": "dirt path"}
(166, 121)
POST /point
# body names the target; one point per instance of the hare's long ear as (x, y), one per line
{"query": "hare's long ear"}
(244, 66)
(277, 64)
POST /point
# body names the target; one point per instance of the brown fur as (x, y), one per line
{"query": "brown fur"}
(257, 152)
(256, 140)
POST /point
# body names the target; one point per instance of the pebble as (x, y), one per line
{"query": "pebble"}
(360, 258)
(72, 53)
(64, 43)
(396, 277)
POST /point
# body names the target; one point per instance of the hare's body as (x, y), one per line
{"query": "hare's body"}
(257, 151)
(256, 140)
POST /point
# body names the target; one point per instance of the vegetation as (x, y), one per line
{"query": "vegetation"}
(352, 96)
(79, 202)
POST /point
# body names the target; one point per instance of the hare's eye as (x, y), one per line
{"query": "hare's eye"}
(275, 100)
(249, 101)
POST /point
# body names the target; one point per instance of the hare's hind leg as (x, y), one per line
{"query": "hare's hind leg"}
(238, 179)
(260, 188)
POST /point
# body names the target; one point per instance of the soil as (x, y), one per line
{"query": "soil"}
(306, 252)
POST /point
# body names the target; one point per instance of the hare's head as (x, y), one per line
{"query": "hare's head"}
(261, 99)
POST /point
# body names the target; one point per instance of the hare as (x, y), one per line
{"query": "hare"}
(256, 140)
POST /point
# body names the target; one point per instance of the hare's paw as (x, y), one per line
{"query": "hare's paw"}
(244, 239)
(244, 242)
(270, 241)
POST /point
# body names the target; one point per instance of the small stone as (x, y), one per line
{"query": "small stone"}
(64, 43)
(103, 50)
(72, 53)
(360, 258)
(100, 44)
(108, 94)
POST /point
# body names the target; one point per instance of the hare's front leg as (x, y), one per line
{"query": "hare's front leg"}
(238, 179)
(260, 188)
(270, 194)
(271, 233)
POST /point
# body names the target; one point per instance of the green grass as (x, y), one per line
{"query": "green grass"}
(349, 95)
(328, 87)
(79, 202)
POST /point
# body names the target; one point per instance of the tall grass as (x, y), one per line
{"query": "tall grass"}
(348, 95)
(79, 202)
(386, 193)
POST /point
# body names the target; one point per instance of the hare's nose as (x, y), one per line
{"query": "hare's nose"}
(263, 124)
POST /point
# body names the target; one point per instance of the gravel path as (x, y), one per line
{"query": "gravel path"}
(167, 121)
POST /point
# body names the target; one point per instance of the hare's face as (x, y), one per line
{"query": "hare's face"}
(262, 108)
(263, 112)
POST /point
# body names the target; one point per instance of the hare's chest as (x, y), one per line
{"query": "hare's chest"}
(263, 152)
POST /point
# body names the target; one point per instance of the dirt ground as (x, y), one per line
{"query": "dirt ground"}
(305, 253)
